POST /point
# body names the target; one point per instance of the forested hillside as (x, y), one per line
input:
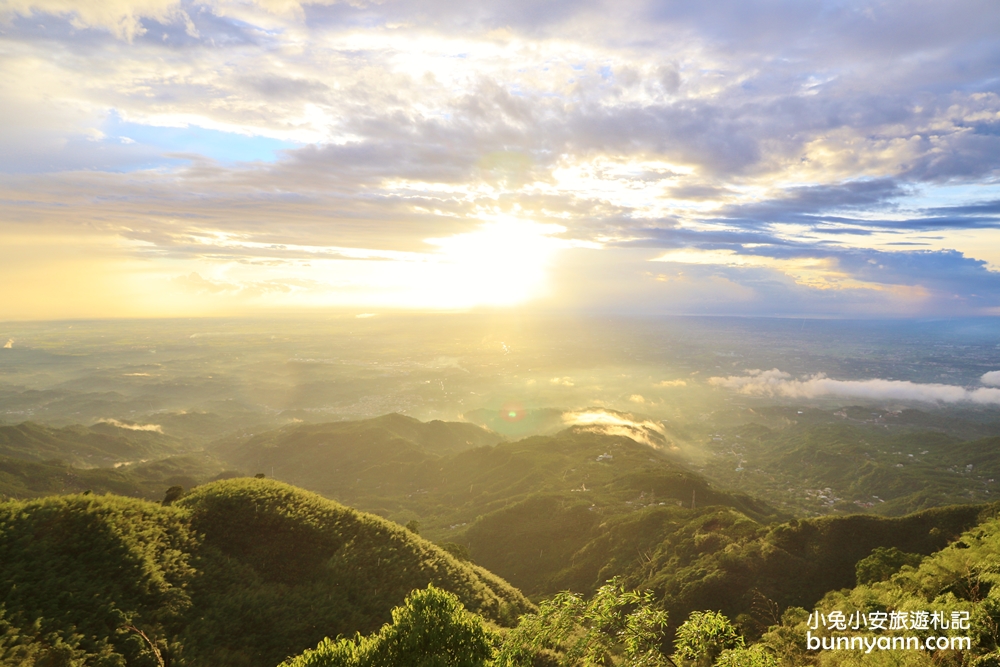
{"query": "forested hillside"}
(944, 610)
(380, 467)
(100, 445)
(854, 459)
(240, 572)
(957, 582)
(20, 479)
(252, 571)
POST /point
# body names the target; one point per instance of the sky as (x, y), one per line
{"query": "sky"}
(793, 158)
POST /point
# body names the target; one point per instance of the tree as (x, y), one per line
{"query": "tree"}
(704, 636)
(430, 629)
(172, 494)
(459, 551)
(883, 563)
(756, 655)
(615, 623)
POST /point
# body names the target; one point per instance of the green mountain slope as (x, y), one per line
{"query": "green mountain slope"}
(351, 461)
(524, 508)
(723, 561)
(960, 579)
(101, 445)
(814, 461)
(21, 479)
(416, 472)
(240, 572)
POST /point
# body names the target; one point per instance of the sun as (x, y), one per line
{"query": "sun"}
(502, 263)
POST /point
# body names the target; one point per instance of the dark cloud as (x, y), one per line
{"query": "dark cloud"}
(524, 15)
(284, 88)
(989, 208)
(814, 206)
(712, 239)
(835, 30)
(965, 155)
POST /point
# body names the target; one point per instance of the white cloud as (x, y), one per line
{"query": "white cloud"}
(155, 428)
(659, 128)
(778, 383)
(606, 422)
(991, 379)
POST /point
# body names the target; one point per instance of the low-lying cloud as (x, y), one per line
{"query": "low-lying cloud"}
(156, 428)
(991, 379)
(606, 422)
(778, 383)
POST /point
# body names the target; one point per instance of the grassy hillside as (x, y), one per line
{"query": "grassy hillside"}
(240, 572)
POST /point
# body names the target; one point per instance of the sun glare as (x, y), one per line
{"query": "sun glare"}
(502, 263)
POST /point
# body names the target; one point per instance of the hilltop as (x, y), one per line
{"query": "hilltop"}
(447, 473)
(239, 572)
(569, 511)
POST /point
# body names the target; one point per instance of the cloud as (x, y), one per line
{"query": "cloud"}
(608, 422)
(848, 206)
(991, 379)
(9, 344)
(122, 18)
(196, 283)
(778, 383)
(671, 383)
(155, 428)
(801, 145)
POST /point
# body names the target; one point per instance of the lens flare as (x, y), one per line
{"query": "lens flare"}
(512, 412)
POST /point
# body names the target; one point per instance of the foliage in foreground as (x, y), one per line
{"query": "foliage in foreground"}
(618, 627)
(615, 627)
(430, 629)
(962, 577)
